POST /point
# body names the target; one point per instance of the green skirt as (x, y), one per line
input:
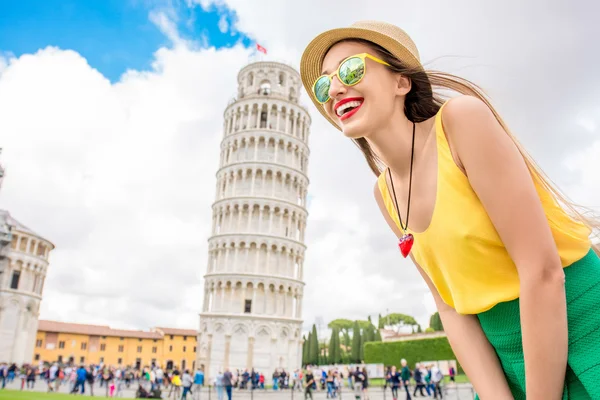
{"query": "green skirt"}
(502, 327)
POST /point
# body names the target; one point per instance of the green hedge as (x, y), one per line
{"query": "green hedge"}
(390, 353)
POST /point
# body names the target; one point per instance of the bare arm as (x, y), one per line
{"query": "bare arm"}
(474, 352)
(498, 174)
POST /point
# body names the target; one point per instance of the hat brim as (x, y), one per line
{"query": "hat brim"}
(312, 57)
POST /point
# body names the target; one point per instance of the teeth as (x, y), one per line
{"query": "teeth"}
(340, 110)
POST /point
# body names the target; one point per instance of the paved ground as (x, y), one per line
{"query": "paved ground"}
(451, 392)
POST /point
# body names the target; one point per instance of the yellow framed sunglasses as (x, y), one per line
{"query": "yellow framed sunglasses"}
(350, 71)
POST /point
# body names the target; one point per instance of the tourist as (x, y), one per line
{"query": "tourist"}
(186, 382)
(12, 371)
(71, 378)
(386, 381)
(405, 375)
(160, 375)
(348, 374)
(57, 376)
(359, 380)
(419, 381)
(219, 384)
(275, 379)
(198, 381)
(429, 386)
(228, 382)
(488, 232)
(31, 373)
(254, 379)
(261, 381)
(80, 378)
(436, 379)
(330, 391)
(310, 384)
(90, 377)
(22, 376)
(3, 373)
(365, 384)
(393, 377)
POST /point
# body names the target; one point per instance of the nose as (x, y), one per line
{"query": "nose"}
(336, 88)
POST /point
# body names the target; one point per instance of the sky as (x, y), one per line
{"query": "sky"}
(111, 118)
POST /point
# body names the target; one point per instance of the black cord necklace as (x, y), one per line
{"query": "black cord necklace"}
(407, 240)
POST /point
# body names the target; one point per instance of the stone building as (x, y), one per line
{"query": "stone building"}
(70, 343)
(23, 266)
(252, 310)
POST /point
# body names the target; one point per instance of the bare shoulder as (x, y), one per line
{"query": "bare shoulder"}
(470, 125)
(465, 108)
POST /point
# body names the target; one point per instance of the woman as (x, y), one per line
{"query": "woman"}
(330, 391)
(495, 243)
(365, 385)
(219, 385)
(393, 379)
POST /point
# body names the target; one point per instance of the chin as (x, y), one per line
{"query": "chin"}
(353, 130)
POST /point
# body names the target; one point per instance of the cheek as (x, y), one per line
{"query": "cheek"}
(329, 109)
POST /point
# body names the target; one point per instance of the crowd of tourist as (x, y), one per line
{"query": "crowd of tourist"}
(154, 382)
(149, 382)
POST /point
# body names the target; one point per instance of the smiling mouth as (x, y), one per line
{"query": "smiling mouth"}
(348, 107)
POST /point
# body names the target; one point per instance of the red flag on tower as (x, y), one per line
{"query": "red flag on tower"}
(261, 49)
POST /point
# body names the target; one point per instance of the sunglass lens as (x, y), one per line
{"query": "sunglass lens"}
(322, 89)
(352, 70)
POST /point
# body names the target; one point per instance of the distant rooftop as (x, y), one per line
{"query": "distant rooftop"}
(178, 332)
(105, 330)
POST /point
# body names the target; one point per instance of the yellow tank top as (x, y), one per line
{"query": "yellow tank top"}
(461, 251)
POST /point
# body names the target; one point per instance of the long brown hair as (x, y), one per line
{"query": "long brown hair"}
(422, 103)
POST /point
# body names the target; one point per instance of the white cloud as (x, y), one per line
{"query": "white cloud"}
(121, 176)
(223, 24)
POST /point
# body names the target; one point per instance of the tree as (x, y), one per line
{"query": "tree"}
(308, 349)
(346, 340)
(378, 336)
(356, 343)
(344, 325)
(361, 353)
(380, 322)
(397, 321)
(338, 347)
(369, 332)
(324, 355)
(435, 322)
(314, 346)
(419, 329)
(305, 350)
(333, 346)
(363, 324)
(369, 335)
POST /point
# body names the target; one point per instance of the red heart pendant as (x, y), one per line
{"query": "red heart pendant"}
(405, 244)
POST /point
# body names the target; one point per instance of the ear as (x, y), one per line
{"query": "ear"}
(403, 85)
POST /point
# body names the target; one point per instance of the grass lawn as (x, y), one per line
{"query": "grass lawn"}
(25, 395)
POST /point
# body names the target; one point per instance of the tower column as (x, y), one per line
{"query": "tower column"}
(240, 340)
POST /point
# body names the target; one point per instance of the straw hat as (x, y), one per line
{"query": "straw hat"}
(388, 36)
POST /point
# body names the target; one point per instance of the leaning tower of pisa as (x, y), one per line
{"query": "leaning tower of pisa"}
(252, 311)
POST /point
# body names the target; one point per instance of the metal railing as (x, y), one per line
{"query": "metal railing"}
(449, 392)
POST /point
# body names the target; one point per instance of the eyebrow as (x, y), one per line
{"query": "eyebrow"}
(325, 72)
